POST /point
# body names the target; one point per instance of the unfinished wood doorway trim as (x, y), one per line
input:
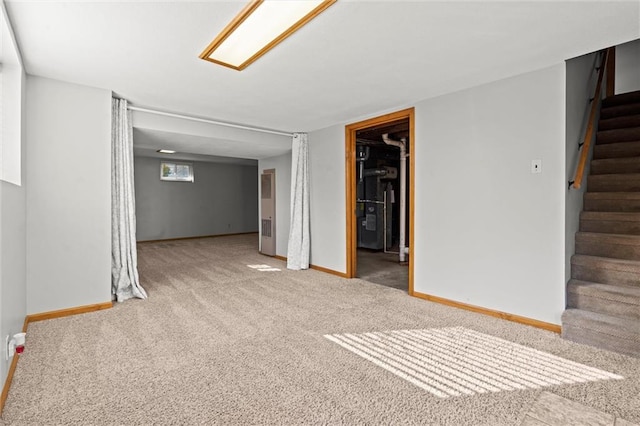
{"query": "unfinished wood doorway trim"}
(350, 156)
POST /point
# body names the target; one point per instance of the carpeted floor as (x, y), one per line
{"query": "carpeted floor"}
(219, 342)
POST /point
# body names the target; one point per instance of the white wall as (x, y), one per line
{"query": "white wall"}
(282, 166)
(490, 233)
(11, 84)
(13, 283)
(69, 195)
(628, 67)
(327, 203)
(223, 199)
(581, 79)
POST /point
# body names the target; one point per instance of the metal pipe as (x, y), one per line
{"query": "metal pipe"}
(205, 120)
(403, 193)
(384, 226)
(374, 172)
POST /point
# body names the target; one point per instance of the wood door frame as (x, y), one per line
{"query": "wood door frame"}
(350, 151)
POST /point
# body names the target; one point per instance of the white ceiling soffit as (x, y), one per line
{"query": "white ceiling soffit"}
(356, 58)
(160, 132)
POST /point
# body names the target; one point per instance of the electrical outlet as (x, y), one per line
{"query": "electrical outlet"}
(536, 166)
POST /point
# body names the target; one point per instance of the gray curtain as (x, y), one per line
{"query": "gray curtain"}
(299, 241)
(125, 282)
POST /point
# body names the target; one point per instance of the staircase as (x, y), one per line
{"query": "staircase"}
(603, 295)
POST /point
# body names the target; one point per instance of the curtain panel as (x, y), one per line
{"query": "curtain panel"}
(125, 282)
(299, 240)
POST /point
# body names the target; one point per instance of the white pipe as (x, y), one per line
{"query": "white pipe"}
(403, 192)
(205, 120)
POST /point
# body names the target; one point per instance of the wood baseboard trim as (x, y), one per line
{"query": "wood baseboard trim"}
(7, 382)
(67, 312)
(328, 271)
(493, 313)
(197, 237)
(317, 268)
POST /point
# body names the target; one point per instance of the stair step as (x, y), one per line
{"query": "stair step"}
(617, 150)
(620, 122)
(622, 99)
(608, 245)
(612, 201)
(618, 301)
(610, 222)
(603, 331)
(617, 182)
(605, 270)
(619, 111)
(629, 134)
(615, 165)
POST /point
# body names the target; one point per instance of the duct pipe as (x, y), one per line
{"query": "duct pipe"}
(402, 144)
(374, 172)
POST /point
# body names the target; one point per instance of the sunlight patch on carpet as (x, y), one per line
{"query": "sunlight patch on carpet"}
(458, 361)
(263, 268)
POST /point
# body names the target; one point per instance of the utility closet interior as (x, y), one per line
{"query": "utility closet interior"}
(382, 221)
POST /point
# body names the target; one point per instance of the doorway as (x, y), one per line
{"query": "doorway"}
(376, 250)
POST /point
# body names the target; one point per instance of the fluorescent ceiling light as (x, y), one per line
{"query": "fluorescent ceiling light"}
(165, 151)
(261, 25)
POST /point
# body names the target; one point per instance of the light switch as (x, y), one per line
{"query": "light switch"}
(536, 166)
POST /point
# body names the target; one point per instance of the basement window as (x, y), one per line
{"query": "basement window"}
(176, 172)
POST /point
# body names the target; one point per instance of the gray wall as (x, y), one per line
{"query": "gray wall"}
(13, 281)
(628, 67)
(327, 182)
(282, 166)
(223, 199)
(488, 232)
(69, 195)
(581, 82)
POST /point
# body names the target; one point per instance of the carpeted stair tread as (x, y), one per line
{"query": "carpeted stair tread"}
(622, 99)
(618, 135)
(616, 293)
(605, 270)
(619, 301)
(612, 201)
(615, 182)
(616, 246)
(621, 265)
(611, 216)
(617, 150)
(631, 240)
(620, 110)
(620, 122)
(613, 195)
(610, 222)
(615, 165)
(601, 330)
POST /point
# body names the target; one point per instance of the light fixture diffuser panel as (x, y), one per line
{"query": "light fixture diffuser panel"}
(260, 26)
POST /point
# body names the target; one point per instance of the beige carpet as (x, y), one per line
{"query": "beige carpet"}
(218, 342)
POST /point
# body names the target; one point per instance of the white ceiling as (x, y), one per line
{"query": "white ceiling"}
(356, 59)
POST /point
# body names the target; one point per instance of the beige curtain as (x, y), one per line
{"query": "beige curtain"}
(299, 239)
(125, 282)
